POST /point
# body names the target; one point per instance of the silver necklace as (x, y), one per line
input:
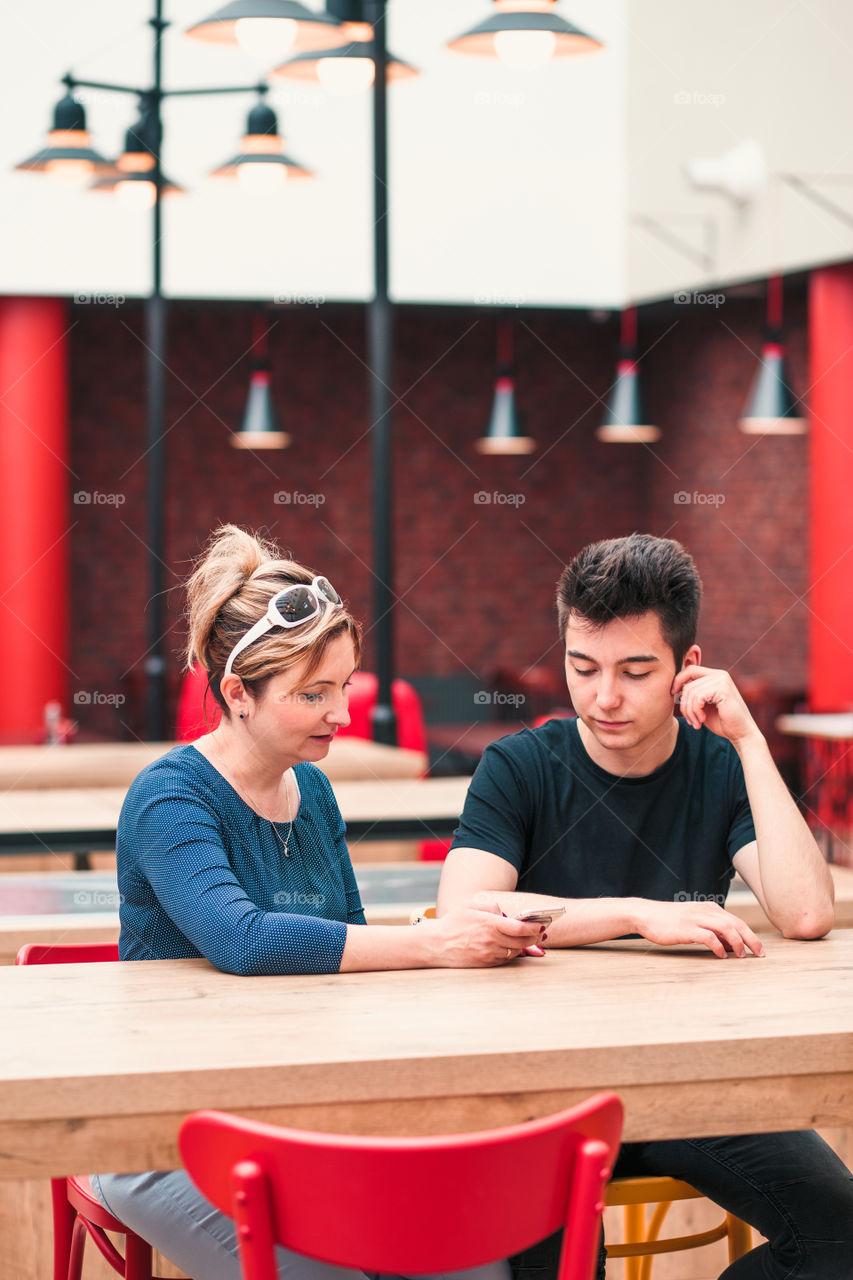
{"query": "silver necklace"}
(284, 841)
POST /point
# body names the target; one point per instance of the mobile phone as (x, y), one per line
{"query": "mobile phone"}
(542, 915)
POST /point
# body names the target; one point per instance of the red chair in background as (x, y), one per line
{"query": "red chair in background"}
(412, 1205)
(76, 1211)
(411, 732)
(411, 727)
(198, 711)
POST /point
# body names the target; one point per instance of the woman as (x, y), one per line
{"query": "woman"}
(232, 847)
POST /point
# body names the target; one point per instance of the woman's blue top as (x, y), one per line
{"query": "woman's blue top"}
(201, 874)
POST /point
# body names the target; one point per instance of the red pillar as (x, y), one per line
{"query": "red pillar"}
(831, 489)
(34, 524)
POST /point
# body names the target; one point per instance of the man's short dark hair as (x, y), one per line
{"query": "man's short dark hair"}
(625, 577)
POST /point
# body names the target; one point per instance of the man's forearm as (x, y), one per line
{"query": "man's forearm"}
(586, 919)
(795, 880)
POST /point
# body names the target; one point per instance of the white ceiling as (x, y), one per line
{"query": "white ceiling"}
(506, 187)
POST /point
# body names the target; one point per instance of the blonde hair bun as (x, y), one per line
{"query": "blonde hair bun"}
(229, 590)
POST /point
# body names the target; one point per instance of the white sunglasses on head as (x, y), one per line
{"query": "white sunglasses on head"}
(289, 607)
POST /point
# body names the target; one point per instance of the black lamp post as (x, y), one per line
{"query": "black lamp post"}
(380, 341)
(69, 148)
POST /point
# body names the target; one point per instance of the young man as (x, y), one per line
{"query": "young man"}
(635, 822)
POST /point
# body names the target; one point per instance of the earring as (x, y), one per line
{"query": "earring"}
(242, 717)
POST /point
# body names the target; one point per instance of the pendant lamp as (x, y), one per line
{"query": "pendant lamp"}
(772, 408)
(504, 434)
(625, 420)
(260, 428)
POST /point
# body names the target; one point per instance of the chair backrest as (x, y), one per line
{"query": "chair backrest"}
(66, 952)
(409, 1205)
(198, 712)
(411, 727)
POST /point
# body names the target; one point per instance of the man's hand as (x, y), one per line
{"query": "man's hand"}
(711, 698)
(671, 923)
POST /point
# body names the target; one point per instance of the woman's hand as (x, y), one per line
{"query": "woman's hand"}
(468, 938)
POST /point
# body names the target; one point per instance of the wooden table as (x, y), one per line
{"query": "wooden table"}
(99, 1063)
(804, 725)
(78, 820)
(116, 764)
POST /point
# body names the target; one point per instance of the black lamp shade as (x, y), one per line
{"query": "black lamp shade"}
(68, 145)
(69, 114)
(305, 65)
(772, 409)
(260, 427)
(313, 30)
(568, 39)
(261, 145)
(625, 421)
(504, 433)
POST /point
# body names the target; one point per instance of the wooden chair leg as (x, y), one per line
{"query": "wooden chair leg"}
(635, 1232)
(740, 1237)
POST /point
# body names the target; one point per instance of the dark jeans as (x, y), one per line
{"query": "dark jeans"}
(790, 1186)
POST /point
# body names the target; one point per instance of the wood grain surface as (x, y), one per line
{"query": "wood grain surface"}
(99, 1063)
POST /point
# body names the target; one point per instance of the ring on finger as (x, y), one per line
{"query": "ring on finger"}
(508, 952)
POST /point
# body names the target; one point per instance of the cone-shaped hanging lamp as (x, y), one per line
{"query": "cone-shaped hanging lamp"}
(260, 428)
(264, 28)
(348, 67)
(772, 408)
(69, 153)
(524, 34)
(625, 420)
(261, 165)
(504, 433)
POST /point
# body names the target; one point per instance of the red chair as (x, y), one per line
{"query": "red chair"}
(411, 732)
(411, 727)
(76, 1212)
(198, 710)
(409, 1205)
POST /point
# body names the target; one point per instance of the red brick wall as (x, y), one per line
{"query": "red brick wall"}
(751, 547)
(477, 578)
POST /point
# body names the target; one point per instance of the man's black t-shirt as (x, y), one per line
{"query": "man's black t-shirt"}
(575, 831)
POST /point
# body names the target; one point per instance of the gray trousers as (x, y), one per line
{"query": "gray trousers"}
(169, 1212)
